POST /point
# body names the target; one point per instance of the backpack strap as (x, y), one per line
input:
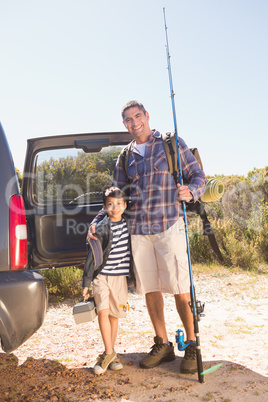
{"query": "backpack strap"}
(197, 156)
(124, 157)
(198, 208)
(170, 146)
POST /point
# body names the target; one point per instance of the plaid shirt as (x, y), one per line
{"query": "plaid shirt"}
(154, 204)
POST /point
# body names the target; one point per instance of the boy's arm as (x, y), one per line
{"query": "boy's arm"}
(85, 291)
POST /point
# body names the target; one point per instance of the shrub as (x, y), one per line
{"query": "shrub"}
(242, 244)
(63, 283)
(240, 252)
(200, 248)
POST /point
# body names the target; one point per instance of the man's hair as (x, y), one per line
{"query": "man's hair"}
(130, 104)
(114, 192)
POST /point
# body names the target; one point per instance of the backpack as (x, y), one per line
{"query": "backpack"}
(197, 207)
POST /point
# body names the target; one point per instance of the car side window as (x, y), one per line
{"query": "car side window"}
(71, 176)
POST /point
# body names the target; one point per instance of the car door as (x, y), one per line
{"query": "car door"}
(63, 180)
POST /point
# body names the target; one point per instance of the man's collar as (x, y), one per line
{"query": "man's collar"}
(156, 134)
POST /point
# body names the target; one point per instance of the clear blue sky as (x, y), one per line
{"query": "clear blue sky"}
(68, 66)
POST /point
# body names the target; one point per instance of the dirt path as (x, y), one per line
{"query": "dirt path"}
(55, 364)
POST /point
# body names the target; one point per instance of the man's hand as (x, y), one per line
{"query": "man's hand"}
(91, 232)
(184, 193)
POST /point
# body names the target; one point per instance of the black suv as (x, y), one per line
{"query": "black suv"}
(45, 226)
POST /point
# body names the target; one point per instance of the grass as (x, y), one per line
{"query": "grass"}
(219, 337)
(214, 344)
(207, 397)
(239, 319)
(65, 360)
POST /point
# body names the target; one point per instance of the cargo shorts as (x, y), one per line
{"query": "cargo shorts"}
(161, 261)
(111, 292)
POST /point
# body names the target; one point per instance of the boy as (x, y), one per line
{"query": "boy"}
(108, 264)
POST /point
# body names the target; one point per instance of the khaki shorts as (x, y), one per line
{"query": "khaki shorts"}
(111, 292)
(161, 261)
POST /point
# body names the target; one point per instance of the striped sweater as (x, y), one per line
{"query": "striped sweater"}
(119, 257)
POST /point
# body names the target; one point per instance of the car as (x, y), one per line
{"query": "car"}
(44, 225)
(23, 295)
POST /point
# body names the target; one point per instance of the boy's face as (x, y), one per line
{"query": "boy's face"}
(115, 207)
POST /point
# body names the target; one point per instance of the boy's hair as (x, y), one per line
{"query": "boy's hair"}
(130, 104)
(114, 192)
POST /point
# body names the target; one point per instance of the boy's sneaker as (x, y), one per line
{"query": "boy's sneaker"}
(103, 362)
(116, 365)
(161, 352)
(189, 363)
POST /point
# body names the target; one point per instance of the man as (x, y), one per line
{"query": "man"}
(157, 229)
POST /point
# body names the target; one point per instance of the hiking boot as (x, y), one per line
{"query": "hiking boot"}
(189, 363)
(160, 352)
(116, 365)
(103, 362)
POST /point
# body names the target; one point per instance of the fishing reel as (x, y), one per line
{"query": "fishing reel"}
(180, 340)
(199, 309)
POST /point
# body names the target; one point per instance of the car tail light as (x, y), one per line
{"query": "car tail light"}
(18, 234)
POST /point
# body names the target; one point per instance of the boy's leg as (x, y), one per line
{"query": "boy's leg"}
(106, 330)
(101, 296)
(114, 329)
(118, 309)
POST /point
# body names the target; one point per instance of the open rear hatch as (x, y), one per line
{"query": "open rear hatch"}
(63, 180)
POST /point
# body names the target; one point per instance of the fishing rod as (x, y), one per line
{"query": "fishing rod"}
(196, 307)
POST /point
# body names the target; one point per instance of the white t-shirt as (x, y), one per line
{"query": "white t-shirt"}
(140, 147)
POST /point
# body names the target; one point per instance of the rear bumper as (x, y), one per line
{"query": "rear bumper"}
(23, 305)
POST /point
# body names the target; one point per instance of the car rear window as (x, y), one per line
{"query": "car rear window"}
(71, 176)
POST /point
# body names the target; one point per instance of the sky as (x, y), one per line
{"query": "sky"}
(68, 67)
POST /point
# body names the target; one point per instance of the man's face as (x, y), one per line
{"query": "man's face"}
(137, 124)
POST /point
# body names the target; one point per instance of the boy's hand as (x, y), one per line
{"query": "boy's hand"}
(91, 232)
(184, 193)
(85, 293)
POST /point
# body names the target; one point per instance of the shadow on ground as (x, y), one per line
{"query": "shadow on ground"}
(43, 380)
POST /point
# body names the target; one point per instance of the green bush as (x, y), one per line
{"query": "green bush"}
(200, 248)
(243, 243)
(63, 283)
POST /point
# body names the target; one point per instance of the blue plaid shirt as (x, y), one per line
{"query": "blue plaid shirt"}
(154, 204)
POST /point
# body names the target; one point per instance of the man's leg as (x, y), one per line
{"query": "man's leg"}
(189, 363)
(162, 350)
(155, 306)
(184, 310)
(147, 280)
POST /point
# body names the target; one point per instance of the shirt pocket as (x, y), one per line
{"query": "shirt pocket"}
(160, 162)
(132, 171)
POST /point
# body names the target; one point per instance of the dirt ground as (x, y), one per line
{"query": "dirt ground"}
(56, 363)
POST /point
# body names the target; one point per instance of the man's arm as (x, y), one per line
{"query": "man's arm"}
(92, 227)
